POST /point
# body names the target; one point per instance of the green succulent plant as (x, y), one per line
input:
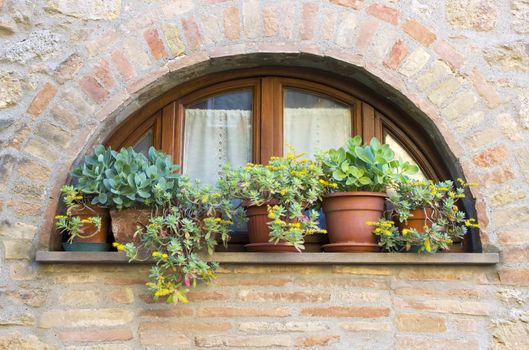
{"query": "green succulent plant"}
(178, 238)
(356, 167)
(127, 179)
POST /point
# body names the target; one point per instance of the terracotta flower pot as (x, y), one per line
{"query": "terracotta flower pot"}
(125, 222)
(259, 232)
(347, 214)
(417, 220)
(85, 212)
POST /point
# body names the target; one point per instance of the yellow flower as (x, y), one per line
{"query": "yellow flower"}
(405, 231)
(205, 199)
(284, 191)
(378, 229)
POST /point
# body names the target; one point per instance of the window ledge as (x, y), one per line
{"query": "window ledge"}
(60, 257)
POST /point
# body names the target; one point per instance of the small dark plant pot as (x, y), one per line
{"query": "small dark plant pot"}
(125, 223)
(85, 212)
(347, 214)
(259, 232)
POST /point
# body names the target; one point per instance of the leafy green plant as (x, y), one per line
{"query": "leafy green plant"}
(356, 167)
(290, 186)
(71, 224)
(444, 221)
(190, 223)
(127, 179)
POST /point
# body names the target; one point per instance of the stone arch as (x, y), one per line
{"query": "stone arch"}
(124, 65)
(214, 65)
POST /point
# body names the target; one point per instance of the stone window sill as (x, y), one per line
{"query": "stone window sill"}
(60, 257)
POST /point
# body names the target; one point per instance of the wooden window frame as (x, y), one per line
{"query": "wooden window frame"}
(373, 116)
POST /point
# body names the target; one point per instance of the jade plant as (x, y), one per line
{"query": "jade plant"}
(290, 187)
(356, 167)
(126, 178)
(188, 226)
(72, 224)
(438, 202)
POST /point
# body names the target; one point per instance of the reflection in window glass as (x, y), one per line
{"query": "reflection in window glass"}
(143, 145)
(217, 131)
(402, 154)
(313, 122)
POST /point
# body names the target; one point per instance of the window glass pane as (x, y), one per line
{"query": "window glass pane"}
(217, 130)
(145, 142)
(402, 154)
(314, 122)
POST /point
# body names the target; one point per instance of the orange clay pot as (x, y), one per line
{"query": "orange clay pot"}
(85, 212)
(347, 214)
(125, 223)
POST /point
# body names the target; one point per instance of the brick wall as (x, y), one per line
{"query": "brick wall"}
(70, 70)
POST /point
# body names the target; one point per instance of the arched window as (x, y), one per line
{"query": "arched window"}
(254, 114)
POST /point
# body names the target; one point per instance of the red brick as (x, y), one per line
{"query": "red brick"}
(308, 17)
(175, 311)
(419, 32)
(68, 68)
(95, 335)
(178, 326)
(124, 280)
(123, 65)
(172, 341)
(93, 89)
(339, 311)
(414, 343)
(385, 13)
(192, 33)
(515, 255)
(328, 27)
(102, 73)
(232, 23)
(396, 55)
(152, 38)
(323, 340)
(485, 90)
(445, 306)
(277, 282)
(420, 323)
(270, 21)
(42, 99)
(354, 4)
(447, 53)
(207, 296)
(436, 293)
(243, 312)
(367, 30)
(251, 341)
(291, 297)
(515, 276)
(491, 156)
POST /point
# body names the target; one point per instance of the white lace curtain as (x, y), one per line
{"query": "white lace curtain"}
(216, 137)
(309, 130)
(213, 138)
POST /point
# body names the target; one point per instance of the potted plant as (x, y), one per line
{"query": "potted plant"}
(129, 183)
(427, 217)
(86, 225)
(189, 223)
(362, 174)
(277, 199)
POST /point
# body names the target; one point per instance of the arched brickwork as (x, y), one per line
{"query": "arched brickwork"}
(68, 86)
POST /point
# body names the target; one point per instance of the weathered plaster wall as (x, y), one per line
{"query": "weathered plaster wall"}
(71, 69)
